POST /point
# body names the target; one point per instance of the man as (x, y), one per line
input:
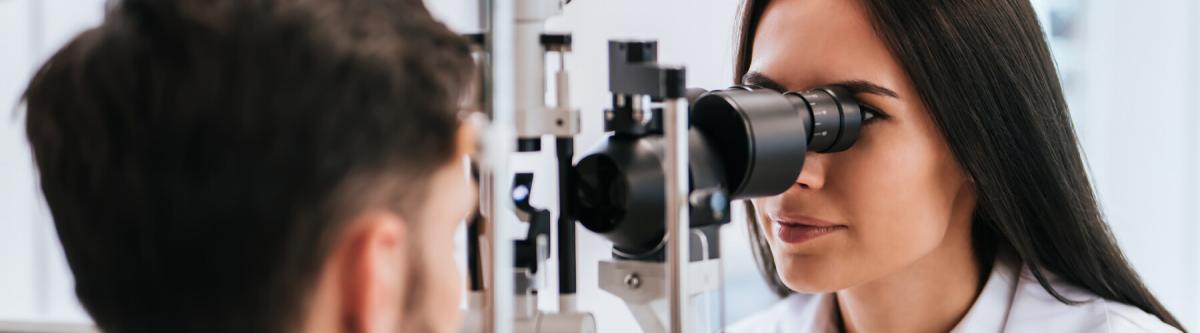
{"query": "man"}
(258, 165)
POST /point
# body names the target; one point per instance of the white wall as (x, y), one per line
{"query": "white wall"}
(35, 283)
(1134, 104)
(16, 174)
(1137, 111)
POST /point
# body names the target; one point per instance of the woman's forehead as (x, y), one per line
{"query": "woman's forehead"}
(803, 43)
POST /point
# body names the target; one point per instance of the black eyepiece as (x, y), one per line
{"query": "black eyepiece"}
(761, 135)
(745, 142)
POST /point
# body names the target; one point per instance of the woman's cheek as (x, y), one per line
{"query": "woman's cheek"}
(883, 186)
(911, 216)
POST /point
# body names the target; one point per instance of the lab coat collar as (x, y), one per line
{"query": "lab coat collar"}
(1012, 300)
(818, 313)
(991, 309)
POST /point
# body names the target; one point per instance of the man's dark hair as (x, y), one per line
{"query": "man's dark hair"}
(199, 156)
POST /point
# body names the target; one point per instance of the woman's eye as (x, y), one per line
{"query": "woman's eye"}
(871, 114)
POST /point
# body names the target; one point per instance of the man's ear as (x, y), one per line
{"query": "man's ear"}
(374, 272)
(465, 138)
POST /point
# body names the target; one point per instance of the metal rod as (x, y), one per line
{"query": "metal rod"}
(530, 64)
(675, 127)
(485, 58)
(565, 150)
(500, 144)
(474, 261)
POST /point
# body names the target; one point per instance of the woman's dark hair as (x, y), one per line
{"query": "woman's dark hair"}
(984, 72)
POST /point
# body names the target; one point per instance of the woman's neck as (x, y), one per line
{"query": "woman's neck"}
(931, 295)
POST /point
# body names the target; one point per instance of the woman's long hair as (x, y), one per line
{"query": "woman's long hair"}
(983, 70)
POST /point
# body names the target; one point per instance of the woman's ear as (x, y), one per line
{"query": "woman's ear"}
(375, 270)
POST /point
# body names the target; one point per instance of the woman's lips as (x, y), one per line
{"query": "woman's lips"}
(799, 230)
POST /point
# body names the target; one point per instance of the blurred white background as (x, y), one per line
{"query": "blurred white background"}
(1131, 71)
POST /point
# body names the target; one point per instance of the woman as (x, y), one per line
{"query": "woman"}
(964, 206)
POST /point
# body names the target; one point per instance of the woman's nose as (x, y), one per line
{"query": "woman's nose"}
(812, 175)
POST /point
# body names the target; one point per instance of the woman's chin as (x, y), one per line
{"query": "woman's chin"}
(812, 279)
(812, 286)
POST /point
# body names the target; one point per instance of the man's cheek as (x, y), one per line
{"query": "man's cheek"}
(440, 247)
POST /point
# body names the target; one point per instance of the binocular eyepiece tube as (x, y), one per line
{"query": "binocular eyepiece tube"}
(761, 135)
(745, 142)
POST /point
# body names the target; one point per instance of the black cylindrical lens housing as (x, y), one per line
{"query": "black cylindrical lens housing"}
(745, 142)
(758, 135)
(761, 135)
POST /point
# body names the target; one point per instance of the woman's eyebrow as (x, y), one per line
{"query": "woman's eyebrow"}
(868, 87)
(855, 86)
(758, 79)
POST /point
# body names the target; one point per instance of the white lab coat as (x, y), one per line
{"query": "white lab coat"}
(1011, 301)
